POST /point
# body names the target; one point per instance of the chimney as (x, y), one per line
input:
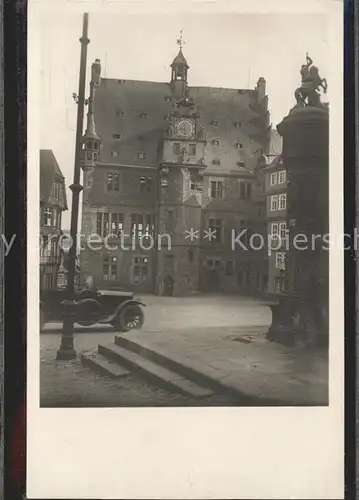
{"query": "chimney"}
(96, 72)
(261, 89)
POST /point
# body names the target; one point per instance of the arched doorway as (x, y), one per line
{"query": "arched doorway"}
(168, 285)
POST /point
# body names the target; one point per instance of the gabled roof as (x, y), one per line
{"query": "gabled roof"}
(139, 112)
(49, 171)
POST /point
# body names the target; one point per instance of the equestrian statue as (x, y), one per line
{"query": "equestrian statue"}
(308, 93)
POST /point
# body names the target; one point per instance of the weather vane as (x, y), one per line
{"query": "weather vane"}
(180, 40)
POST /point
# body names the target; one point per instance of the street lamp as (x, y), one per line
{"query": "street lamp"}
(66, 350)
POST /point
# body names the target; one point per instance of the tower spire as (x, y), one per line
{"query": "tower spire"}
(179, 65)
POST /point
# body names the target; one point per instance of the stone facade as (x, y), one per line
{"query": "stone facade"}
(166, 162)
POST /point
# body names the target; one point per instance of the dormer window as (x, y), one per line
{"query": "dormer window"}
(240, 164)
(143, 115)
(141, 155)
(116, 136)
(216, 161)
(239, 145)
(120, 113)
(114, 154)
(237, 124)
(167, 99)
(214, 123)
(215, 142)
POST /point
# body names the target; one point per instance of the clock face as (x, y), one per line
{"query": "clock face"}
(185, 128)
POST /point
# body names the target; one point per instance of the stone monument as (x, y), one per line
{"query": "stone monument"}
(301, 313)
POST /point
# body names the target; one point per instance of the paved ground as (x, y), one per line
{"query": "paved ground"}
(163, 313)
(202, 332)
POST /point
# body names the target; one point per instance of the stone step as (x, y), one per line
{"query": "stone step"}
(103, 366)
(153, 372)
(178, 366)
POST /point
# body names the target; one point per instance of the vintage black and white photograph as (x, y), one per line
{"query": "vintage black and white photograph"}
(184, 210)
(185, 250)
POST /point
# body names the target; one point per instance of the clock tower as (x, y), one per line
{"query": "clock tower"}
(181, 164)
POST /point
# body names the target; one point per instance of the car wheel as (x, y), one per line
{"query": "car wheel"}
(131, 318)
(88, 312)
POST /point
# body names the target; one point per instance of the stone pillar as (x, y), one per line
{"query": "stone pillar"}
(301, 313)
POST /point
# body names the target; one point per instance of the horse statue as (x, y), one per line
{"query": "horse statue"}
(308, 93)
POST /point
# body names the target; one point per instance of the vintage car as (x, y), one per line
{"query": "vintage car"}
(117, 308)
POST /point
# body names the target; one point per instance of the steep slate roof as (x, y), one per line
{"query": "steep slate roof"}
(137, 110)
(180, 59)
(49, 170)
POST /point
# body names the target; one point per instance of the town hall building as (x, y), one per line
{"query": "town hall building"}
(171, 173)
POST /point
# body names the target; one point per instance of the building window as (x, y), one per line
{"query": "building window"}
(213, 264)
(237, 124)
(275, 230)
(240, 164)
(190, 255)
(116, 136)
(214, 123)
(216, 161)
(141, 155)
(192, 149)
(282, 201)
(117, 224)
(215, 142)
(48, 216)
(274, 202)
(216, 190)
(281, 177)
(142, 226)
(109, 271)
(280, 260)
(143, 115)
(283, 230)
(176, 148)
(136, 225)
(106, 224)
(273, 179)
(140, 270)
(239, 145)
(114, 154)
(113, 182)
(145, 185)
(245, 190)
(279, 285)
(229, 268)
(215, 228)
(196, 186)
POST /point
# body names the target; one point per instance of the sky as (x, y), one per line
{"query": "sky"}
(223, 50)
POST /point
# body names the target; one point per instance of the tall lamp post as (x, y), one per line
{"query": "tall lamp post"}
(67, 350)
